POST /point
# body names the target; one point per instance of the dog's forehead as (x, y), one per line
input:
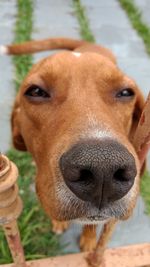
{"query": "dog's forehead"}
(70, 65)
(76, 62)
(79, 58)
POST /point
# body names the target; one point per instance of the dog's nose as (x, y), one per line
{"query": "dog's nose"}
(98, 172)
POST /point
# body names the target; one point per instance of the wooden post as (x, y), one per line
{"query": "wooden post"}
(10, 209)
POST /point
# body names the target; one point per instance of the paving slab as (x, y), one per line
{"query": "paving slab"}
(7, 91)
(144, 7)
(54, 19)
(111, 28)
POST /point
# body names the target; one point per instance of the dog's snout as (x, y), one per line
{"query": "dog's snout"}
(98, 172)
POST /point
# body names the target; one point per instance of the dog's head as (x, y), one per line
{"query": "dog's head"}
(76, 114)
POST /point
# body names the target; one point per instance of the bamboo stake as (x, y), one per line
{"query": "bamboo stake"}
(10, 209)
(141, 143)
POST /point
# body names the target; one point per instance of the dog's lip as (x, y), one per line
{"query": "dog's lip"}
(92, 220)
(95, 218)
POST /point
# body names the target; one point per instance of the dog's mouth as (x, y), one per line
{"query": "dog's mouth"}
(93, 219)
(75, 209)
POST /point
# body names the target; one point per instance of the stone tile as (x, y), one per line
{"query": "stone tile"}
(129, 66)
(104, 15)
(144, 7)
(101, 3)
(58, 22)
(121, 39)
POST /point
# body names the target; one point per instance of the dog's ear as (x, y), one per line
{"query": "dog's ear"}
(138, 108)
(18, 141)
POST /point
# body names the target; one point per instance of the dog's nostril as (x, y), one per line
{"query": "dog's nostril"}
(85, 176)
(121, 175)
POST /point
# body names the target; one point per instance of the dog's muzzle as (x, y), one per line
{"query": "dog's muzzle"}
(99, 172)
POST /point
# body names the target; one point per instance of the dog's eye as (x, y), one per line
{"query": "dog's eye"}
(125, 93)
(35, 91)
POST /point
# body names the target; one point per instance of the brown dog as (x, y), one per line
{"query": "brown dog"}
(76, 113)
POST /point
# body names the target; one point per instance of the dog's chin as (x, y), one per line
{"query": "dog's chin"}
(71, 208)
(92, 220)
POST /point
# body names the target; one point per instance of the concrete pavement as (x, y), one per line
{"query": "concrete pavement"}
(144, 8)
(112, 28)
(54, 18)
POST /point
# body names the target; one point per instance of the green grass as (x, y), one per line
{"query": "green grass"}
(145, 190)
(135, 17)
(35, 227)
(85, 30)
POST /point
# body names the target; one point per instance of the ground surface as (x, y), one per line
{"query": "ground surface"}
(111, 28)
(144, 6)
